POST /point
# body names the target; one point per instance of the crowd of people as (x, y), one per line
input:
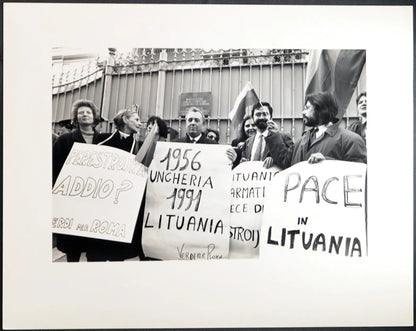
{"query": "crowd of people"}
(259, 139)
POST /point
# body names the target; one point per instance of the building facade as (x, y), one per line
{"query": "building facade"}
(163, 82)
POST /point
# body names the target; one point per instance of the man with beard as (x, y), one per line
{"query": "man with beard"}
(195, 125)
(325, 140)
(360, 127)
(268, 144)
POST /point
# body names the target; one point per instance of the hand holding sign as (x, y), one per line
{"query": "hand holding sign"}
(316, 209)
(106, 185)
(186, 215)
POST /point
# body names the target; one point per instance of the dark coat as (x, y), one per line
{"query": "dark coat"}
(358, 128)
(335, 143)
(202, 140)
(238, 150)
(71, 245)
(103, 250)
(62, 147)
(114, 140)
(278, 147)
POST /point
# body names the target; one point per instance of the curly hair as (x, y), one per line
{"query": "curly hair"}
(85, 103)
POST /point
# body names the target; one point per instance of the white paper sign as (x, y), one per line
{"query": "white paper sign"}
(98, 193)
(187, 202)
(316, 209)
(248, 191)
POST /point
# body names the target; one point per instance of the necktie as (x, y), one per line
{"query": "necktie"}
(257, 153)
(312, 137)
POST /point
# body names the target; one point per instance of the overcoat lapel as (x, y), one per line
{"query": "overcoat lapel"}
(250, 143)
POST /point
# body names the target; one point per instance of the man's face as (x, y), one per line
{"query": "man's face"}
(362, 106)
(310, 117)
(194, 124)
(260, 118)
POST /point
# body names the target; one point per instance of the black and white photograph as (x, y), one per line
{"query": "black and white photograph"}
(210, 166)
(302, 105)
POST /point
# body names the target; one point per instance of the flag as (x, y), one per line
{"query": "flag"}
(146, 151)
(243, 105)
(336, 71)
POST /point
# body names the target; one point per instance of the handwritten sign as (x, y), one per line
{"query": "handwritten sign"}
(316, 209)
(98, 193)
(187, 203)
(248, 192)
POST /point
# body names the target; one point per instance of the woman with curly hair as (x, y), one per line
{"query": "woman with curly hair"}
(85, 119)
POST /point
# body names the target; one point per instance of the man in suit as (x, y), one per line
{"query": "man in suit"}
(195, 125)
(325, 140)
(268, 144)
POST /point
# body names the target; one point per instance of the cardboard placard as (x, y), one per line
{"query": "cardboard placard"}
(316, 209)
(187, 202)
(248, 192)
(98, 193)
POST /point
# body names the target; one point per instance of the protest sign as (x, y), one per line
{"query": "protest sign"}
(187, 202)
(98, 193)
(248, 192)
(316, 209)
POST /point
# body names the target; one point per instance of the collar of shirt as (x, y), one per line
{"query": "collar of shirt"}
(256, 142)
(320, 130)
(264, 134)
(196, 138)
(123, 135)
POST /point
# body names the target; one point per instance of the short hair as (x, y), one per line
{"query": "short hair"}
(195, 110)
(163, 127)
(85, 103)
(118, 119)
(260, 105)
(362, 94)
(325, 105)
(214, 131)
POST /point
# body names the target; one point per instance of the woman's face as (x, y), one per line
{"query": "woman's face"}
(132, 124)
(150, 126)
(249, 127)
(85, 116)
